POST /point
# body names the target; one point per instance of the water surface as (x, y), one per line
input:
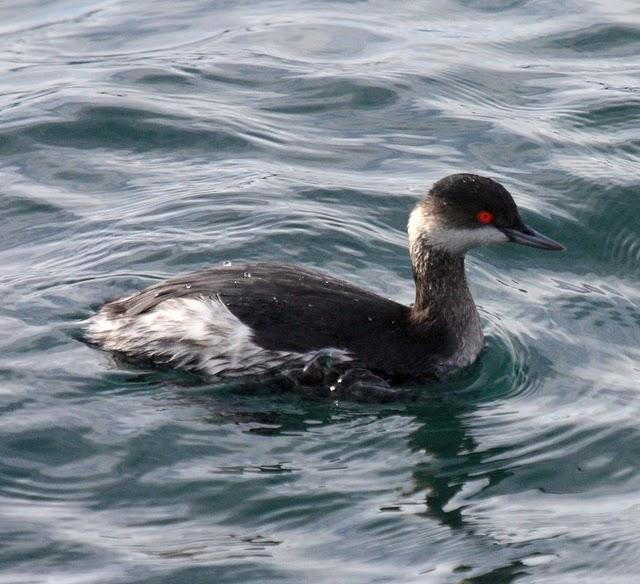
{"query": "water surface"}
(143, 140)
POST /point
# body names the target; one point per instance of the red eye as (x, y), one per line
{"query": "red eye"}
(484, 217)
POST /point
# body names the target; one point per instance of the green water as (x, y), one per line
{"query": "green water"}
(143, 140)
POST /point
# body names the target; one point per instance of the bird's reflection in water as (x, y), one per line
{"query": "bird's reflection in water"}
(437, 425)
(273, 407)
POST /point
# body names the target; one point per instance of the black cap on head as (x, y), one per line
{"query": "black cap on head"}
(469, 201)
(458, 198)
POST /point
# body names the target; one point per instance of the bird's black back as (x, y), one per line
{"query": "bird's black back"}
(294, 309)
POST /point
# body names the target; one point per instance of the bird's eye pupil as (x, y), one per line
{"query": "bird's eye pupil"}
(485, 217)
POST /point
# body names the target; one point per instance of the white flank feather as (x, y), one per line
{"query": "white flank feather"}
(198, 333)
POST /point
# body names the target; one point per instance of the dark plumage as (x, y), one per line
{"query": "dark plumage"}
(252, 318)
(293, 309)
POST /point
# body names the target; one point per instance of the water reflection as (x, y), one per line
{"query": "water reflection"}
(450, 465)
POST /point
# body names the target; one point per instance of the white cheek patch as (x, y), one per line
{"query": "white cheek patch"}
(418, 226)
(453, 240)
(462, 240)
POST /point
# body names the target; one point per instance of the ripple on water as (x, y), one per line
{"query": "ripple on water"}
(315, 40)
(325, 95)
(601, 39)
(61, 467)
(130, 129)
(504, 370)
(137, 144)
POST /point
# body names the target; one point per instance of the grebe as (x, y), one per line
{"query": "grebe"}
(259, 318)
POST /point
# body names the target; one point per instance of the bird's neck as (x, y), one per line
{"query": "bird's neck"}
(442, 292)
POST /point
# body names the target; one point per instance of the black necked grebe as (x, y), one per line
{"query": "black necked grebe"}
(255, 318)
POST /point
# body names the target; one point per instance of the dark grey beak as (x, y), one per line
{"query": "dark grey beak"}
(526, 236)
